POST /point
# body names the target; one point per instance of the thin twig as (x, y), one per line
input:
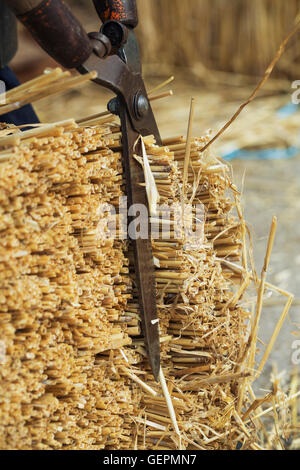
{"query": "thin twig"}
(261, 290)
(257, 89)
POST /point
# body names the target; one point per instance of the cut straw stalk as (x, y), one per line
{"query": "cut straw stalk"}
(161, 85)
(161, 95)
(259, 409)
(244, 232)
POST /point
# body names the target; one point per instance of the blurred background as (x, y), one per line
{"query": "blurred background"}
(238, 36)
(217, 50)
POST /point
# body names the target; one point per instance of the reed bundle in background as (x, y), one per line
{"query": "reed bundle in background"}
(236, 36)
(74, 373)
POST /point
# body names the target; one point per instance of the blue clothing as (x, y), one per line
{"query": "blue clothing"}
(24, 115)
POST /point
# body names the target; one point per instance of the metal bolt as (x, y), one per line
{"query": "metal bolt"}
(113, 106)
(141, 105)
(101, 44)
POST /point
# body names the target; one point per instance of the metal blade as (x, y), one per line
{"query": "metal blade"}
(144, 265)
(114, 73)
(130, 53)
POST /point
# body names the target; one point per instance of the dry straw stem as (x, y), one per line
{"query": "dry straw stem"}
(188, 144)
(93, 117)
(257, 404)
(260, 423)
(57, 84)
(293, 389)
(161, 95)
(41, 81)
(261, 291)
(140, 382)
(10, 141)
(244, 232)
(161, 85)
(281, 320)
(276, 424)
(257, 89)
(275, 334)
(242, 289)
(242, 426)
(168, 401)
(99, 118)
(290, 399)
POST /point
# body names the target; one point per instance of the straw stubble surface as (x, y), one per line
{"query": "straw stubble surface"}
(69, 314)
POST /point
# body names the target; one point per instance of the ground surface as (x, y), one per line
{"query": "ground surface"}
(270, 188)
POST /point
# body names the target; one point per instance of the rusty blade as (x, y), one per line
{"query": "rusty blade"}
(143, 256)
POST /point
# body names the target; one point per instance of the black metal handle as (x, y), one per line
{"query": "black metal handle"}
(124, 11)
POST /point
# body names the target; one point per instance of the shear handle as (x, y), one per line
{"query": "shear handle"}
(124, 11)
(55, 28)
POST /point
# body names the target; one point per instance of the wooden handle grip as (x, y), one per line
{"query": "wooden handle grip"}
(58, 32)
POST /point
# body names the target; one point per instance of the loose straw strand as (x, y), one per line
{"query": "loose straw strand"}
(188, 143)
(275, 334)
(161, 85)
(261, 289)
(108, 113)
(169, 403)
(161, 95)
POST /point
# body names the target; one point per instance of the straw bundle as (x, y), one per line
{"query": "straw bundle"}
(61, 296)
(74, 372)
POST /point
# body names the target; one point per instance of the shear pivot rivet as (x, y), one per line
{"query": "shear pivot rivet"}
(141, 105)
